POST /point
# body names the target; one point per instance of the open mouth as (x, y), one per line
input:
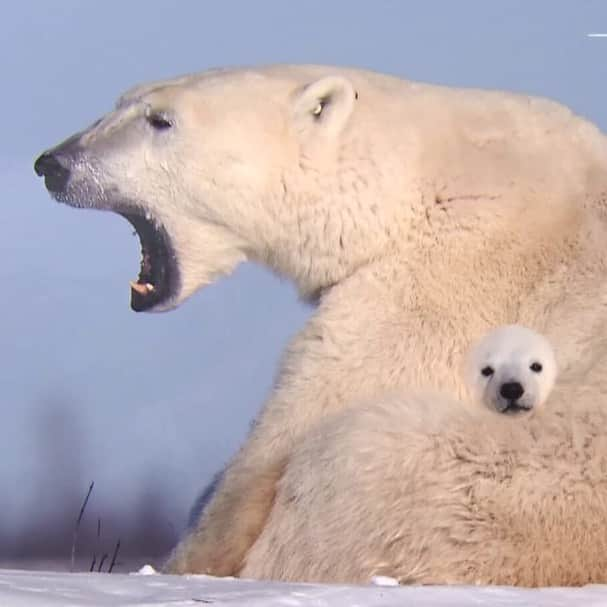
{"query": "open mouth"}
(158, 279)
(158, 272)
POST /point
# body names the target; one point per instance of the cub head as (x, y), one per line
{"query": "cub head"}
(511, 370)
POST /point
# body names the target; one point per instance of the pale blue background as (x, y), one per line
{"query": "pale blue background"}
(91, 390)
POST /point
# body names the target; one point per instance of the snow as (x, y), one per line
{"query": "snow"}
(384, 580)
(19, 588)
(146, 570)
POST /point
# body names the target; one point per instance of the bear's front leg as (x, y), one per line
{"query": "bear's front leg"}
(233, 519)
(333, 363)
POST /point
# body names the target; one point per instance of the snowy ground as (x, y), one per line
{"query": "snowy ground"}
(20, 588)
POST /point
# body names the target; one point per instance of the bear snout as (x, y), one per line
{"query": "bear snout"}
(512, 390)
(55, 174)
(54, 164)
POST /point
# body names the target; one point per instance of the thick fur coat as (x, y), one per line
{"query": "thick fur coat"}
(431, 491)
(418, 217)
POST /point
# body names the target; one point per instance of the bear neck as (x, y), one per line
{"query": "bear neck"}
(437, 302)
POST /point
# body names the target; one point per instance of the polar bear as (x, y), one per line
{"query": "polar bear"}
(511, 370)
(414, 216)
(430, 490)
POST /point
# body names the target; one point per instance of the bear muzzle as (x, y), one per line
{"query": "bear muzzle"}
(158, 280)
(54, 165)
(56, 176)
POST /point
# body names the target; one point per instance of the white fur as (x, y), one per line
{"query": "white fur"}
(428, 490)
(511, 356)
(418, 217)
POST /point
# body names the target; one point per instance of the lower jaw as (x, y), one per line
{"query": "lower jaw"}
(155, 287)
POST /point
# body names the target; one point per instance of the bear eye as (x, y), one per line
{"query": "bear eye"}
(158, 121)
(536, 367)
(320, 106)
(487, 371)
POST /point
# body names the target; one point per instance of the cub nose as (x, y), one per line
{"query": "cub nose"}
(55, 174)
(512, 390)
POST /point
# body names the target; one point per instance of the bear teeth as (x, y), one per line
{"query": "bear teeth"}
(142, 288)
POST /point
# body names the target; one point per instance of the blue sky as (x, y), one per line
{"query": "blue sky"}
(171, 396)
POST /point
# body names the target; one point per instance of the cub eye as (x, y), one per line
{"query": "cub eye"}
(487, 371)
(158, 121)
(536, 367)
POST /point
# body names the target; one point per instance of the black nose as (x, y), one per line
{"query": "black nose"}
(55, 174)
(512, 390)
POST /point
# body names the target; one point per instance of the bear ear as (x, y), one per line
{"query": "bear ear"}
(324, 105)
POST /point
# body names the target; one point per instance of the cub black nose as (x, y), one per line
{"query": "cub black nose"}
(55, 174)
(512, 390)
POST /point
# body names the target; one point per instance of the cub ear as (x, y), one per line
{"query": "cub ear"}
(324, 105)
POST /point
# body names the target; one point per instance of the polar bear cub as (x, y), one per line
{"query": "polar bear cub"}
(511, 370)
